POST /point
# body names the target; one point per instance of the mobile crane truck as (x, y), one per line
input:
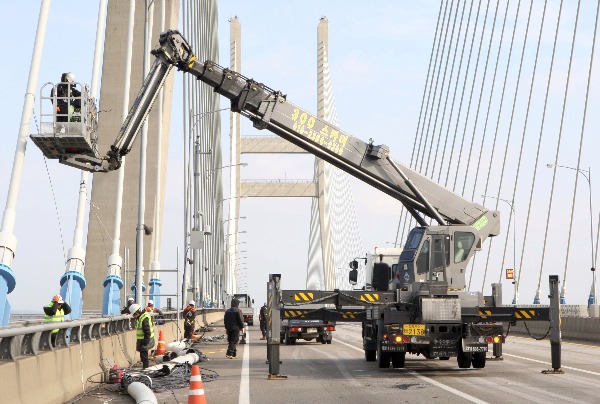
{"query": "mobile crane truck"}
(430, 312)
(295, 326)
(246, 307)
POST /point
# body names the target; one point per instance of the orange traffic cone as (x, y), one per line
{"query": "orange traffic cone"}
(196, 395)
(161, 348)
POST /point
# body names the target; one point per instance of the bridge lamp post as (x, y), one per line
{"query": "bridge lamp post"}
(587, 174)
(514, 218)
(189, 204)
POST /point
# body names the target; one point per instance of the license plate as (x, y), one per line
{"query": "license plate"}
(413, 329)
(311, 330)
(468, 348)
(393, 348)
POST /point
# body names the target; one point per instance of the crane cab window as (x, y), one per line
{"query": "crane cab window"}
(423, 258)
(414, 239)
(441, 252)
(463, 241)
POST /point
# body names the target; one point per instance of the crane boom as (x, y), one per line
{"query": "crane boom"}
(270, 109)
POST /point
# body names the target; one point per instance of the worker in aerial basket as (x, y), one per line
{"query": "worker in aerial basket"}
(55, 312)
(144, 332)
(68, 99)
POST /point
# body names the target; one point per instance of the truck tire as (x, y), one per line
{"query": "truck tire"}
(398, 359)
(370, 355)
(286, 338)
(464, 359)
(322, 340)
(479, 360)
(383, 358)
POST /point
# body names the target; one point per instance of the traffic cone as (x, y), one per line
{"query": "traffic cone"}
(196, 394)
(161, 348)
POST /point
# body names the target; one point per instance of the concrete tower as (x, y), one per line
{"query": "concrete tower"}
(100, 227)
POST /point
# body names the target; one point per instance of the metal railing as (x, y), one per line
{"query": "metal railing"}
(21, 341)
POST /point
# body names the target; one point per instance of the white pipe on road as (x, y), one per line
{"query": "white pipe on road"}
(190, 358)
(176, 346)
(141, 393)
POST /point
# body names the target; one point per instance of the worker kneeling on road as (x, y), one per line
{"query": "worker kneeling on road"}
(144, 332)
(55, 312)
(234, 322)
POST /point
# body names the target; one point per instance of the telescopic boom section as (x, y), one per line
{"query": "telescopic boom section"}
(269, 109)
(174, 50)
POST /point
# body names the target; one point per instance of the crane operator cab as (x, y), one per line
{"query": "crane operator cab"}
(436, 257)
(68, 121)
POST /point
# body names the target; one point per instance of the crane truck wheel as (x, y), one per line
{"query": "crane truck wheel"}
(383, 358)
(464, 360)
(478, 360)
(398, 359)
(370, 355)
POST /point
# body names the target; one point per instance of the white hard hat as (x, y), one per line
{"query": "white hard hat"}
(133, 308)
(150, 302)
(70, 77)
(130, 299)
(193, 303)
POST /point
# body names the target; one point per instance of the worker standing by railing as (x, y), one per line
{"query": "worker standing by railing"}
(55, 312)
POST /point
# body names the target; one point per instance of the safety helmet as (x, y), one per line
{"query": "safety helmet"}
(70, 77)
(130, 299)
(133, 308)
(150, 302)
(58, 299)
(192, 303)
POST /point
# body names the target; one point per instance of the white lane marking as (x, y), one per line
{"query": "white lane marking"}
(430, 381)
(340, 367)
(245, 376)
(546, 363)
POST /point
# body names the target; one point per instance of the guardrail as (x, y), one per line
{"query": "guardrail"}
(17, 342)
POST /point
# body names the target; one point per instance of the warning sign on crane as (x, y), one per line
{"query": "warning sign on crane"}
(510, 273)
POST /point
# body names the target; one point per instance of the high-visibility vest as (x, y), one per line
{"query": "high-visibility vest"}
(57, 318)
(140, 330)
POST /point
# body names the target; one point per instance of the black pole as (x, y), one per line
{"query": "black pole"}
(555, 337)
(273, 326)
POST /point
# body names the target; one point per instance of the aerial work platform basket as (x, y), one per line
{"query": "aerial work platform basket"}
(69, 124)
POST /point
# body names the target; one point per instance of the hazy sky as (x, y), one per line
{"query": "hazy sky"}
(379, 55)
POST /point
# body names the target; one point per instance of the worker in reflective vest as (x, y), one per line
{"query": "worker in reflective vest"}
(151, 309)
(55, 312)
(144, 332)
